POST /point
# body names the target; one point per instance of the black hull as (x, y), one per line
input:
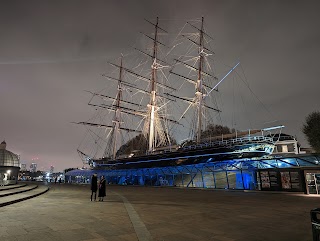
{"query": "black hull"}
(187, 157)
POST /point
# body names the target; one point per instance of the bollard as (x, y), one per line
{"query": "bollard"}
(315, 222)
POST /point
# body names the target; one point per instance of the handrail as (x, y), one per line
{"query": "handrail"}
(230, 141)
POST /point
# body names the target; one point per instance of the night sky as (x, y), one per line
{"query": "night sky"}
(51, 51)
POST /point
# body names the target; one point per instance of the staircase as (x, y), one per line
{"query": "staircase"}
(11, 194)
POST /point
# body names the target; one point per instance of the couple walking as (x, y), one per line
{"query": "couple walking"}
(95, 185)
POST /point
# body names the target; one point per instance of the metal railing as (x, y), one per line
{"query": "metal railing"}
(255, 139)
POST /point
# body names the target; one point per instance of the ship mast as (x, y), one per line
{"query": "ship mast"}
(117, 115)
(199, 88)
(201, 71)
(153, 129)
(119, 106)
(153, 105)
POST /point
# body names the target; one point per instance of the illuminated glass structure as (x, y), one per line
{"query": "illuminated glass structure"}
(272, 173)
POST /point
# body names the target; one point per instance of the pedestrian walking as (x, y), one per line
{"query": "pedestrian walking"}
(102, 188)
(94, 186)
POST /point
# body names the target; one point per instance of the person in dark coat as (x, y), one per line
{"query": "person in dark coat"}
(102, 188)
(94, 186)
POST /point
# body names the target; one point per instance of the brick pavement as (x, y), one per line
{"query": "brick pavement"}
(132, 213)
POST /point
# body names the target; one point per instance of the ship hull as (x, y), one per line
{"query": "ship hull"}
(189, 157)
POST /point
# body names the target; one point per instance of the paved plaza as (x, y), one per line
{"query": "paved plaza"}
(131, 213)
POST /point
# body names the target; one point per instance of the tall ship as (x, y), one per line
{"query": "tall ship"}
(161, 108)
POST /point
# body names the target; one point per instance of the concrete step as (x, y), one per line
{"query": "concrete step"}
(17, 190)
(32, 192)
(8, 187)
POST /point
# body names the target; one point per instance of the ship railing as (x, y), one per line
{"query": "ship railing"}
(240, 140)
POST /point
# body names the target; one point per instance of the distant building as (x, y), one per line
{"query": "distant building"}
(23, 167)
(51, 169)
(286, 144)
(31, 176)
(33, 167)
(9, 165)
(307, 150)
